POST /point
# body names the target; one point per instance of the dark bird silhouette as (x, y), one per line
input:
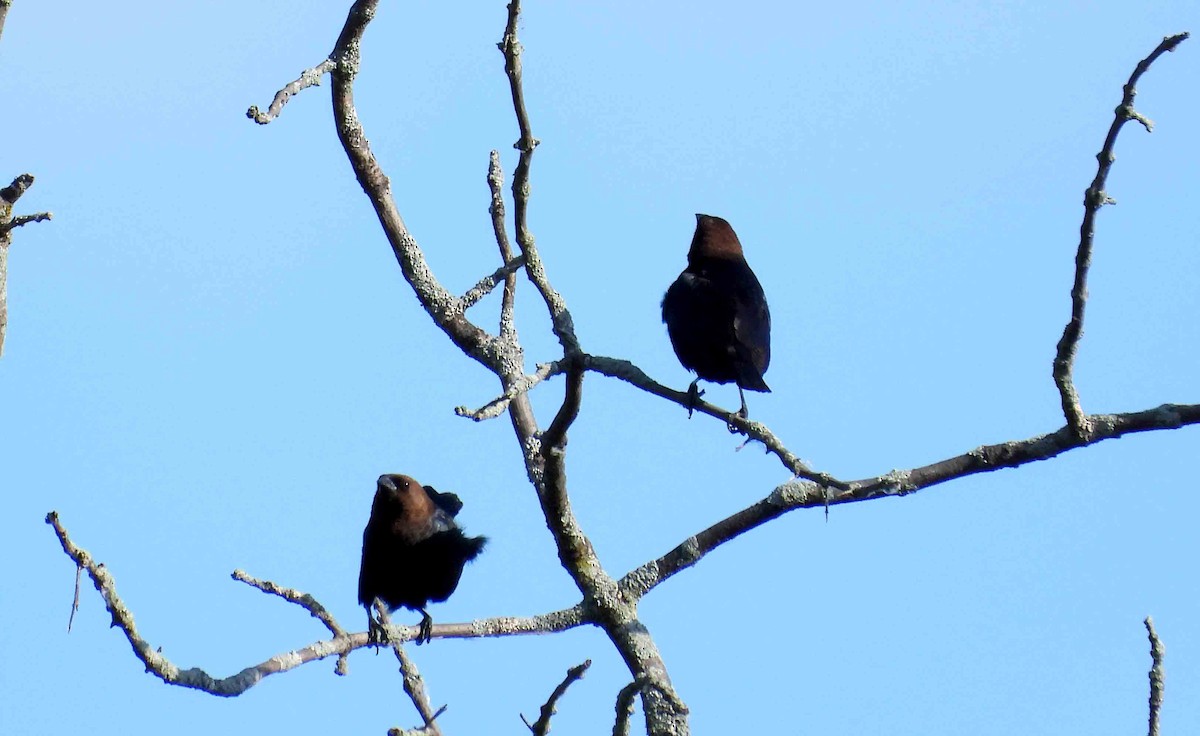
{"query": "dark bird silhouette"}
(717, 315)
(413, 551)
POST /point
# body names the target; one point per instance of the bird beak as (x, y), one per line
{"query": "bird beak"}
(385, 481)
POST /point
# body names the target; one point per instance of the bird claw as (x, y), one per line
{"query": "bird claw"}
(425, 630)
(377, 635)
(693, 397)
(742, 414)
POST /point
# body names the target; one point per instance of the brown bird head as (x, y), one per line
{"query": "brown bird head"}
(402, 505)
(714, 238)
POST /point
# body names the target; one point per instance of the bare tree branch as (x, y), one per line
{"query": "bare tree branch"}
(1093, 199)
(626, 371)
(560, 318)
(446, 309)
(305, 601)
(414, 684)
(339, 645)
(496, 407)
(624, 706)
(495, 180)
(22, 220)
(541, 726)
(486, 284)
(4, 6)
(8, 199)
(605, 602)
(796, 495)
(1156, 675)
(308, 78)
(637, 583)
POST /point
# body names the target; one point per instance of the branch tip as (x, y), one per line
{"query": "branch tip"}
(1157, 653)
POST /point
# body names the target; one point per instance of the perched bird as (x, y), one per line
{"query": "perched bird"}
(413, 551)
(717, 315)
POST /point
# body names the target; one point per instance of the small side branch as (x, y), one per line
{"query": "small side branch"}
(1156, 675)
(626, 371)
(625, 705)
(1093, 199)
(308, 78)
(485, 285)
(496, 406)
(495, 180)
(541, 726)
(305, 601)
(22, 220)
(8, 199)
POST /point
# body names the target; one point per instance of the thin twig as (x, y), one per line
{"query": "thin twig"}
(308, 78)
(75, 601)
(304, 600)
(541, 726)
(496, 406)
(1093, 199)
(495, 180)
(485, 285)
(22, 220)
(625, 705)
(1156, 675)
(626, 371)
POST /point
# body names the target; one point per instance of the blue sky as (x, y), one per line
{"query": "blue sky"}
(212, 354)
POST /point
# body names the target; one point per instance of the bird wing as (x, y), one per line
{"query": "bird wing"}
(752, 330)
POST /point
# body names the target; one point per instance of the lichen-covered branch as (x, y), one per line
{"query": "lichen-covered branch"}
(486, 284)
(495, 180)
(444, 308)
(496, 406)
(308, 78)
(1094, 197)
(624, 706)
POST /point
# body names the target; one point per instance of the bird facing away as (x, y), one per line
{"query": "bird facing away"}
(413, 551)
(717, 315)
